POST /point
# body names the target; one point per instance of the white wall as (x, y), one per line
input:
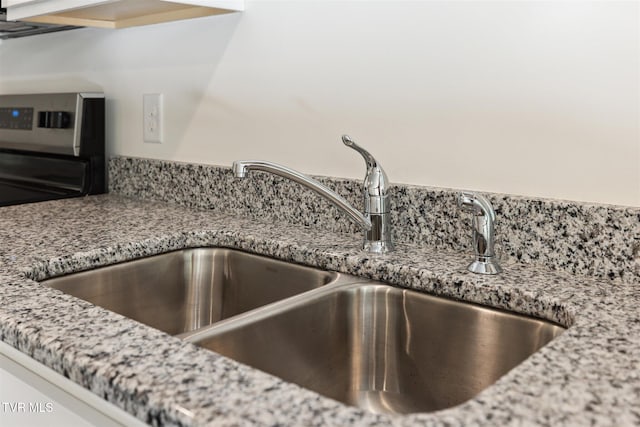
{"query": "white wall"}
(524, 97)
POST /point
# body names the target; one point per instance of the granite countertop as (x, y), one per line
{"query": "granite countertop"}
(590, 375)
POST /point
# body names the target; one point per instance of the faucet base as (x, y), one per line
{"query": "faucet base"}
(485, 265)
(377, 246)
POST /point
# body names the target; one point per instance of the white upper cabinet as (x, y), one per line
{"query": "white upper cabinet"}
(115, 13)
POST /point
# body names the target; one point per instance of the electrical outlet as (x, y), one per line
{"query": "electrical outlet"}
(152, 117)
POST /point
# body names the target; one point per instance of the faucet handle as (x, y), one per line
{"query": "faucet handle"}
(376, 201)
(375, 181)
(368, 158)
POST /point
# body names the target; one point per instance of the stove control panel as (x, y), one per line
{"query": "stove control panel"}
(49, 123)
(16, 118)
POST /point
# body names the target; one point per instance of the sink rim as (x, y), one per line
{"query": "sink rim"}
(336, 278)
(341, 279)
(245, 329)
(282, 306)
(273, 308)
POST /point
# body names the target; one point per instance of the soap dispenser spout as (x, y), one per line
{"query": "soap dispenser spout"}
(484, 218)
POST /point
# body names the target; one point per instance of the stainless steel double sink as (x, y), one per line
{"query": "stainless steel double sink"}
(364, 343)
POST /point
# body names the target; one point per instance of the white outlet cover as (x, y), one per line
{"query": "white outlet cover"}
(152, 117)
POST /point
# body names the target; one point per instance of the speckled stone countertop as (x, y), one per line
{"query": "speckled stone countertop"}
(590, 375)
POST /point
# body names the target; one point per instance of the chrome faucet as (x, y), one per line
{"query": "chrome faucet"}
(376, 218)
(484, 218)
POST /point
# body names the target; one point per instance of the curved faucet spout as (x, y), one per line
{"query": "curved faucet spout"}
(241, 167)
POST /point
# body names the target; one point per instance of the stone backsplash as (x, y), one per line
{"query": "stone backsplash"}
(601, 241)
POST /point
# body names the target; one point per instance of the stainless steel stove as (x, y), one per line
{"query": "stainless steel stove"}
(51, 147)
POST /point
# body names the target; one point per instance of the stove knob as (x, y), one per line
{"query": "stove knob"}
(54, 119)
(60, 119)
(44, 119)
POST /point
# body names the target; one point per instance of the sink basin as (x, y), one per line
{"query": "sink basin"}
(382, 348)
(364, 343)
(182, 291)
